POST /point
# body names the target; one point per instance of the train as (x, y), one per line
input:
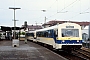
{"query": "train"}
(31, 35)
(65, 36)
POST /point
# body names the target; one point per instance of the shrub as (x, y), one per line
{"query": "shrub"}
(23, 33)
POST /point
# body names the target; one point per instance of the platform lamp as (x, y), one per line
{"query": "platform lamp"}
(14, 19)
(45, 17)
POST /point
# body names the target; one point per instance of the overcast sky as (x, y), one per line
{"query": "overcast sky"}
(31, 11)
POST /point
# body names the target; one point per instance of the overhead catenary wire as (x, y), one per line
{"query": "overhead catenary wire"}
(57, 5)
(68, 6)
(81, 13)
(78, 13)
(57, 11)
(52, 4)
(63, 8)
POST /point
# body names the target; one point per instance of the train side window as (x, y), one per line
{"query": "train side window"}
(45, 33)
(37, 34)
(51, 34)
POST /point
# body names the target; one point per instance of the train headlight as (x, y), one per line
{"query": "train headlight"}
(63, 41)
(77, 40)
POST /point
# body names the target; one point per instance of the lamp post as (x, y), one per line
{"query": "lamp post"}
(45, 17)
(14, 19)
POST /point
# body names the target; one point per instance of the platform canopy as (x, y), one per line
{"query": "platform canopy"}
(4, 28)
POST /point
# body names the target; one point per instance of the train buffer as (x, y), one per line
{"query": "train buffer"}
(29, 51)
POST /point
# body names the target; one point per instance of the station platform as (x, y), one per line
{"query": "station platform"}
(29, 51)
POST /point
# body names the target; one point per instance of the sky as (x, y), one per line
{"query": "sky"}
(32, 11)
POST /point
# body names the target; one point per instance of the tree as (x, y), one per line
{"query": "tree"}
(23, 33)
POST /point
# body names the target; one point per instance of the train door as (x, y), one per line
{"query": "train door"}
(55, 35)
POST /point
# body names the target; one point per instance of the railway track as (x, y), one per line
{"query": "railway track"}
(86, 49)
(63, 53)
(74, 55)
(85, 55)
(68, 55)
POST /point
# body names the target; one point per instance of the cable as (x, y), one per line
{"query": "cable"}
(51, 5)
(81, 13)
(64, 8)
(69, 5)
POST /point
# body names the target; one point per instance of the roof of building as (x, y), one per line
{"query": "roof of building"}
(34, 26)
(4, 28)
(54, 22)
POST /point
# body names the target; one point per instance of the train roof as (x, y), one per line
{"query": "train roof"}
(69, 23)
(48, 28)
(30, 32)
(56, 26)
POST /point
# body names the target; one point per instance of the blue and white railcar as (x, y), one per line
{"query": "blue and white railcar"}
(62, 36)
(31, 35)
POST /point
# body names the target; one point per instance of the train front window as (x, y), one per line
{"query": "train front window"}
(29, 34)
(70, 32)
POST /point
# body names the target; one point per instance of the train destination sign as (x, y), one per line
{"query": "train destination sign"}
(69, 26)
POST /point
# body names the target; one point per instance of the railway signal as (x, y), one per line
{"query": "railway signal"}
(25, 27)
